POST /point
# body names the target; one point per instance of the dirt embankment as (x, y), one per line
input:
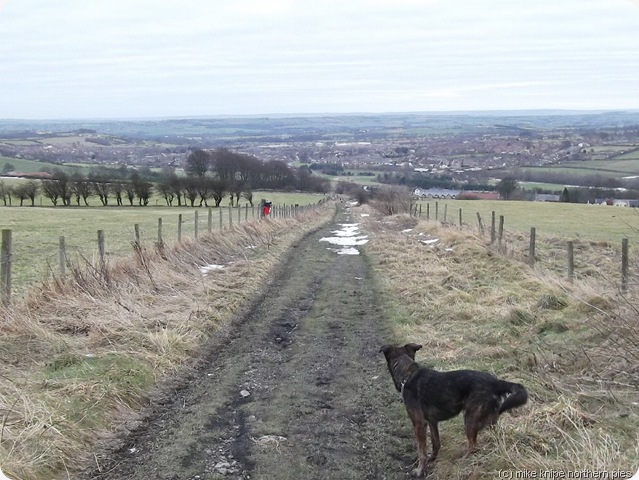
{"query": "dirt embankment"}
(297, 390)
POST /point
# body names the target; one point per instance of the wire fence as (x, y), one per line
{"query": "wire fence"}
(59, 255)
(572, 258)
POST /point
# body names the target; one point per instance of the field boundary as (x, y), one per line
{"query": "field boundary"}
(227, 218)
(562, 255)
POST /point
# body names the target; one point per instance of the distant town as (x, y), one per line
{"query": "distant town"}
(544, 152)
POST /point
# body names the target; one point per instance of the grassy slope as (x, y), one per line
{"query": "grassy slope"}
(78, 361)
(573, 346)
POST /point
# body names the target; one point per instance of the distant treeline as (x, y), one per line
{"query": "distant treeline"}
(210, 176)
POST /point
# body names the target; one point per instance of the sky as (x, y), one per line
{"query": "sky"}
(166, 58)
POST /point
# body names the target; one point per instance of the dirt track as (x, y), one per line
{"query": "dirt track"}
(297, 391)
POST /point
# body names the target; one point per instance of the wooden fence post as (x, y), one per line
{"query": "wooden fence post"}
(428, 212)
(481, 225)
(230, 216)
(197, 224)
(531, 248)
(179, 233)
(624, 264)
(492, 229)
(460, 219)
(420, 210)
(436, 211)
(62, 256)
(239, 213)
(160, 242)
(136, 229)
(571, 261)
(5, 268)
(501, 229)
(209, 224)
(101, 250)
(445, 213)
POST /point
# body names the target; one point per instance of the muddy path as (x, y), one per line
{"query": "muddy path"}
(297, 390)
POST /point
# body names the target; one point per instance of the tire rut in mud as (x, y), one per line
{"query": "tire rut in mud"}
(298, 390)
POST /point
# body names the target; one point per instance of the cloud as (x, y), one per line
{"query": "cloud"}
(305, 55)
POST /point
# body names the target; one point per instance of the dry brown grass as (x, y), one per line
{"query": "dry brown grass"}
(80, 357)
(574, 346)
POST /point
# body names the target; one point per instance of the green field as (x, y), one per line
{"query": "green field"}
(36, 231)
(570, 220)
(555, 187)
(617, 167)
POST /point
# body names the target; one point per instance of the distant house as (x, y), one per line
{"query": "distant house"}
(633, 203)
(37, 175)
(626, 203)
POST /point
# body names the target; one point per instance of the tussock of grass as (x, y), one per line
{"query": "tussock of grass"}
(80, 357)
(574, 346)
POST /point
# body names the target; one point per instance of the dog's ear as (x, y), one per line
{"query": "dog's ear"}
(411, 348)
(385, 349)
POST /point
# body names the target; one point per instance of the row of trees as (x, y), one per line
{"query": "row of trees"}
(210, 176)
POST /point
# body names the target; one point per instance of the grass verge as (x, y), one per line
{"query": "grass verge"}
(81, 358)
(574, 346)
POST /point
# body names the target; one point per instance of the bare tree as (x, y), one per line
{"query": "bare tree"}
(190, 189)
(27, 190)
(218, 190)
(117, 189)
(5, 192)
(80, 188)
(197, 163)
(507, 186)
(393, 200)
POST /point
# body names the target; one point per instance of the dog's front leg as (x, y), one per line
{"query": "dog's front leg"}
(419, 430)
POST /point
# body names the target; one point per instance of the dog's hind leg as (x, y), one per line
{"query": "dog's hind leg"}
(481, 411)
(434, 440)
(419, 430)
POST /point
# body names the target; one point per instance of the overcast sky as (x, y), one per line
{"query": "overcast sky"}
(156, 58)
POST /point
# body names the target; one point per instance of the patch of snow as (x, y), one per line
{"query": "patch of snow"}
(347, 251)
(347, 237)
(345, 241)
(206, 269)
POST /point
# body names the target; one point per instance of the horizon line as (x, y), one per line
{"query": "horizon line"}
(528, 111)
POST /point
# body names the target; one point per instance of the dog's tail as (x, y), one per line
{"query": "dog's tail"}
(516, 395)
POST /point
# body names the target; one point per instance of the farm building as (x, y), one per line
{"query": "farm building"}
(436, 193)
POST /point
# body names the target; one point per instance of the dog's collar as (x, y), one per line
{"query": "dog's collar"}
(401, 391)
(403, 384)
(406, 379)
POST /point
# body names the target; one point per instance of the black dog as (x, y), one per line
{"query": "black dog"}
(431, 397)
